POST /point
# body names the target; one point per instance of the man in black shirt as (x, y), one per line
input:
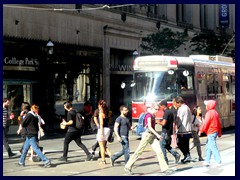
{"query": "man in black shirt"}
(121, 129)
(167, 131)
(72, 133)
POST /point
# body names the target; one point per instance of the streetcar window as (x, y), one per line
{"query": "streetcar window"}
(214, 84)
(226, 84)
(218, 84)
(151, 86)
(210, 84)
(233, 93)
(154, 86)
(185, 82)
(233, 84)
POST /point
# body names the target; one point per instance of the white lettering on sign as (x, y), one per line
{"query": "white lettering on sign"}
(224, 10)
(21, 62)
(121, 68)
(152, 63)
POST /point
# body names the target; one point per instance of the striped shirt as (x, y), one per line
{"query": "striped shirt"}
(5, 115)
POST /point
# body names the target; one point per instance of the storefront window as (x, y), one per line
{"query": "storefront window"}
(17, 93)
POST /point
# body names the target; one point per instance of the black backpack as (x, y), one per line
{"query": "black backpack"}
(79, 121)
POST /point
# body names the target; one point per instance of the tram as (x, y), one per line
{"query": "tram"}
(195, 78)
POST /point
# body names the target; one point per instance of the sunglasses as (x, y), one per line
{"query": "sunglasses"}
(156, 109)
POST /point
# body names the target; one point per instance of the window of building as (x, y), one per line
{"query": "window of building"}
(162, 11)
(78, 7)
(127, 9)
(203, 16)
(17, 93)
(152, 10)
(207, 16)
(184, 15)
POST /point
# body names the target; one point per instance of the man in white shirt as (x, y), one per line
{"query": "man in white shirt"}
(184, 124)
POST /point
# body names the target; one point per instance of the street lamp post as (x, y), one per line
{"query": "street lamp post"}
(49, 85)
(50, 46)
(135, 53)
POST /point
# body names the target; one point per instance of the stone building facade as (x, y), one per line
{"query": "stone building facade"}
(93, 47)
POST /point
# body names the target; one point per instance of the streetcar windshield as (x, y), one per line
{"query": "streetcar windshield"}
(151, 86)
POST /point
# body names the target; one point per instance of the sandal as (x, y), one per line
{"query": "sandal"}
(102, 162)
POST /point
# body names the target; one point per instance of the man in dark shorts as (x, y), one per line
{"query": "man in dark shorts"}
(121, 129)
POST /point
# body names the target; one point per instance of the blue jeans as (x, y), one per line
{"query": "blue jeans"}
(165, 144)
(31, 141)
(125, 150)
(211, 148)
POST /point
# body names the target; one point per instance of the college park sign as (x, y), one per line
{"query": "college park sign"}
(21, 62)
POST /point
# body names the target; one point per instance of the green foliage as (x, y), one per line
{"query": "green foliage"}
(208, 43)
(163, 42)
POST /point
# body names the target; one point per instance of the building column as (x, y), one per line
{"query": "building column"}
(106, 68)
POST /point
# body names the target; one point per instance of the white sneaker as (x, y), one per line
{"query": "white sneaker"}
(167, 172)
(218, 165)
(129, 171)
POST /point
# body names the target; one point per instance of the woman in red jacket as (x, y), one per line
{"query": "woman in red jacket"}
(212, 127)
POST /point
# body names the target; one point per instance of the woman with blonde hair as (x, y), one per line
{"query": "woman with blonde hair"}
(149, 136)
(103, 129)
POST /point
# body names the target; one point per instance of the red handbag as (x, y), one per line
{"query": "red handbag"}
(174, 141)
(174, 137)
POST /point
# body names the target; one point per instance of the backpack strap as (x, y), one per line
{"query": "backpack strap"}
(145, 119)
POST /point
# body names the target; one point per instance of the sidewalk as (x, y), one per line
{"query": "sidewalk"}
(146, 165)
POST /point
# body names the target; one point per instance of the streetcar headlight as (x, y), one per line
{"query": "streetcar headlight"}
(132, 84)
(170, 72)
(123, 85)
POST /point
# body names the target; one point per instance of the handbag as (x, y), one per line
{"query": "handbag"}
(41, 132)
(111, 136)
(174, 137)
(174, 141)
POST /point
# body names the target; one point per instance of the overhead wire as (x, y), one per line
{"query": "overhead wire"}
(66, 9)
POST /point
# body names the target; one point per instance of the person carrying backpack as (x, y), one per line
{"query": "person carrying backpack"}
(140, 127)
(73, 133)
(150, 136)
